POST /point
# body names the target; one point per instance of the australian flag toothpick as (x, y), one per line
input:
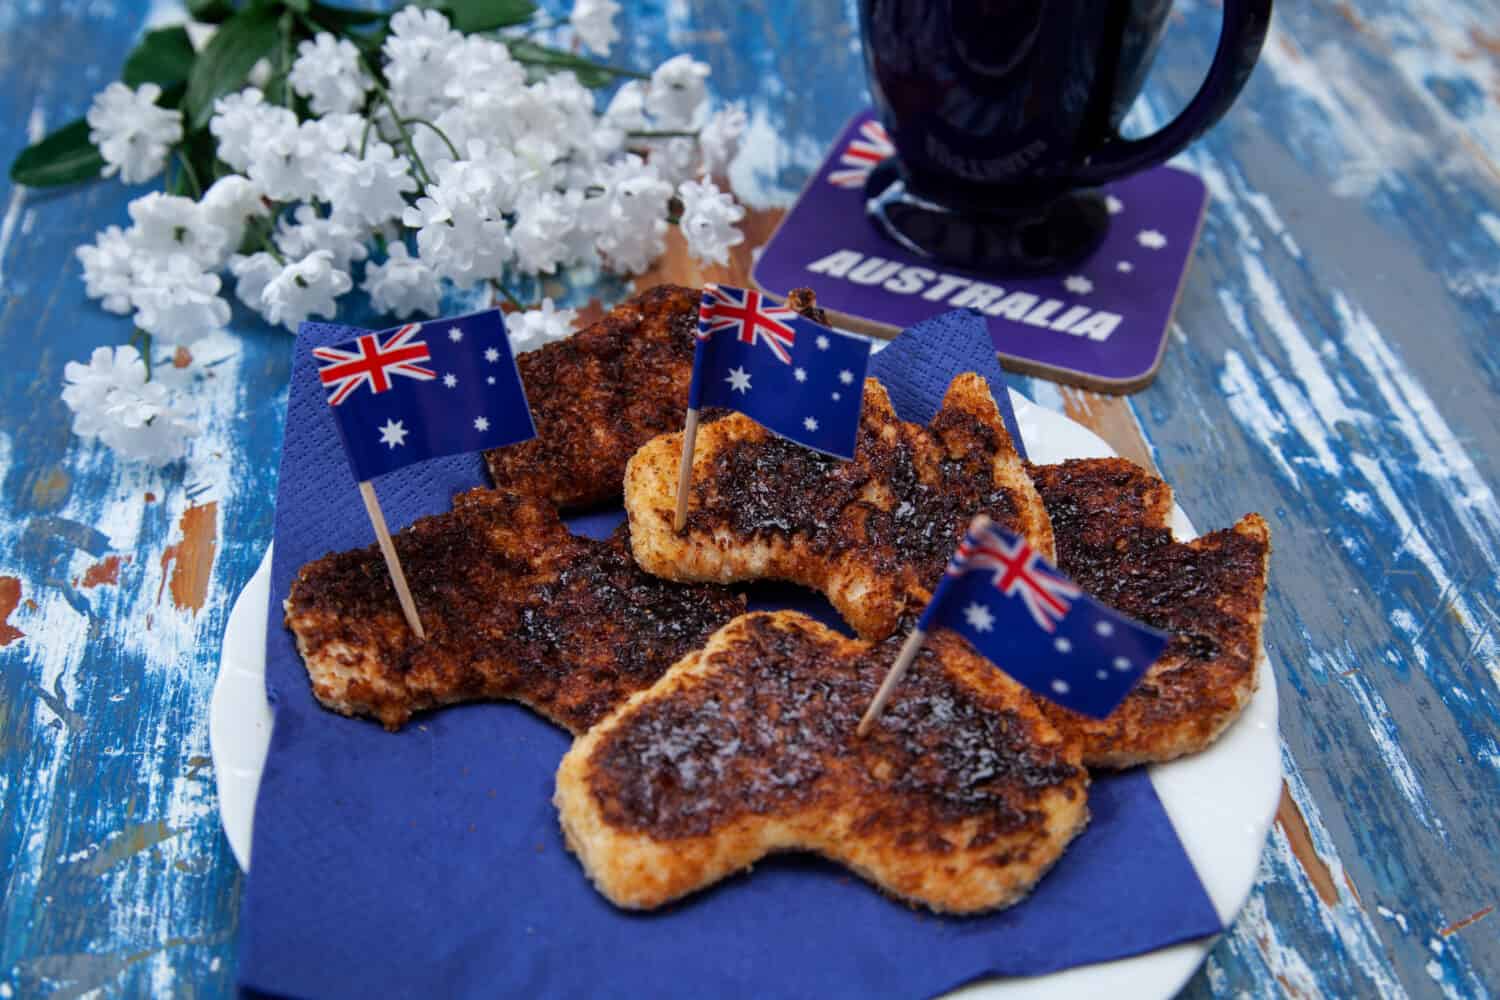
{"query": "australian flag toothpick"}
(1025, 617)
(795, 377)
(423, 390)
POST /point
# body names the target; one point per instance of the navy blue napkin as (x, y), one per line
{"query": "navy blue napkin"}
(429, 862)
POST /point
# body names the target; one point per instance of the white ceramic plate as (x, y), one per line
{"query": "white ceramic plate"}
(1221, 801)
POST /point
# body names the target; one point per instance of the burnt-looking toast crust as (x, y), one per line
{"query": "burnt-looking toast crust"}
(1111, 521)
(960, 797)
(514, 607)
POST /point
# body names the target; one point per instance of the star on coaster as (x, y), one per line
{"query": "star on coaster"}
(393, 434)
(979, 617)
(846, 376)
(810, 423)
(455, 334)
(738, 379)
(1078, 284)
(491, 354)
(800, 374)
(481, 424)
(1115, 205)
(822, 342)
(450, 380)
(1151, 239)
(1124, 267)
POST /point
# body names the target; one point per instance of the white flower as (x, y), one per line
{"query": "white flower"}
(677, 91)
(480, 71)
(676, 158)
(291, 164)
(417, 52)
(243, 123)
(627, 109)
(179, 366)
(311, 231)
(403, 285)
(720, 139)
(230, 203)
(328, 73)
(251, 276)
(708, 218)
(305, 288)
(111, 399)
(371, 189)
(531, 329)
(131, 132)
(169, 225)
(108, 269)
(176, 299)
(460, 232)
(540, 233)
(594, 21)
(630, 217)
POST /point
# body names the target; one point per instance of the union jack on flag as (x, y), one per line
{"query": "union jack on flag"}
(872, 145)
(371, 362)
(750, 317)
(1019, 570)
(1031, 621)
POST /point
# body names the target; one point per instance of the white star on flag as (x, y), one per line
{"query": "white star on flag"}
(491, 354)
(1060, 686)
(490, 380)
(1078, 284)
(1121, 664)
(822, 342)
(738, 379)
(979, 617)
(450, 380)
(1062, 645)
(810, 424)
(836, 397)
(481, 424)
(800, 374)
(846, 376)
(1105, 629)
(1151, 239)
(455, 335)
(393, 434)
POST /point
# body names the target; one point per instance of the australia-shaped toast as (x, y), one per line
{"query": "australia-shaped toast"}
(603, 392)
(959, 799)
(514, 607)
(872, 534)
(1112, 524)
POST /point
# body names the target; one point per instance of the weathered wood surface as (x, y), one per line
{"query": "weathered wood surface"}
(1335, 366)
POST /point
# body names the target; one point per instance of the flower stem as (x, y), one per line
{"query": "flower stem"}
(440, 134)
(508, 294)
(664, 134)
(189, 172)
(144, 338)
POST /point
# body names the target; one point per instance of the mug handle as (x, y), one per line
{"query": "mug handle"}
(1245, 26)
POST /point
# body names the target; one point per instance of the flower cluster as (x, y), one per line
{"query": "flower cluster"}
(447, 160)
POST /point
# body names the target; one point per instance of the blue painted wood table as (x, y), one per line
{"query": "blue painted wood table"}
(1334, 364)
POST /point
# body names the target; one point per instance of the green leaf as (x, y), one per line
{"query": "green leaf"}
(164, 57)
(340, 19)
(64, 157)
(209, 11)
(300, 6)
(226, 61)
(590, 74)
(487, 15)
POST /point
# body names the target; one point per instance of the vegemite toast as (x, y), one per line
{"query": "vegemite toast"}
(1111, 521)
(873, 534)
(959, 799)
(514, 607)
(602, 393)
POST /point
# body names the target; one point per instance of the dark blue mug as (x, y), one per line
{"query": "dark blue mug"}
(1005, 116)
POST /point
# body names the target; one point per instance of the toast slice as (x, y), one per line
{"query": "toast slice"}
(872, 534)
(602, 393)
(514, 607)
(1111, 520)
(959, 799)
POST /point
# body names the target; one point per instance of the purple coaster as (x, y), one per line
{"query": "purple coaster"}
(1102, 325)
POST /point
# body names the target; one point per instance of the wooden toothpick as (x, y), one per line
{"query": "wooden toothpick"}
(913, 644)
(392, 562)
(685, 469)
